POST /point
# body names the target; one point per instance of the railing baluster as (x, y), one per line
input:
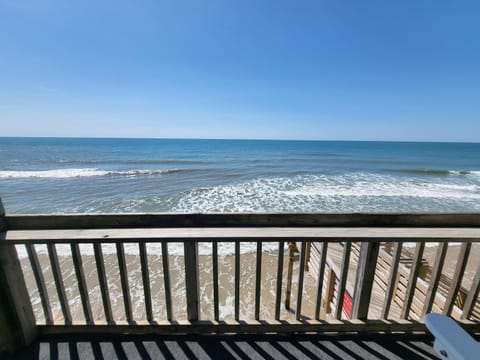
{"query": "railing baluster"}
(367, 264)
(457, 277)
(82, 285)
(343, 279)
(472, 296)
(258, 280)
(122, 266)
(42, 289)
(192, 286)
(320, 276)
(301, 273)
(215, 280)
(412, 280)
(166, 280)
(102, 280)
(397, 253)
(435, 278)
(57, 276)
(146, 280)
(237, 281)
(278, 298)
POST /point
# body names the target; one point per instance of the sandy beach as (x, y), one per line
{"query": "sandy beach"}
(177, 279)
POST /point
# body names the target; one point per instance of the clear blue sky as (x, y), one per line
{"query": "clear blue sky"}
(321, 69)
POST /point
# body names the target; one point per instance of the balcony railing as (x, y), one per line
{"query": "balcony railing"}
(360, 238)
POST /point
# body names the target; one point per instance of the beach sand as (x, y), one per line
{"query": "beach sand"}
(177, 271)
(177, 280)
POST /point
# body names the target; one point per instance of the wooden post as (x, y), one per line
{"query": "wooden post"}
(364, 282)
(17, 322)
(191, 280)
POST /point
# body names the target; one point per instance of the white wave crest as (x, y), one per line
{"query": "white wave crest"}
(363, 192)
(82, 172)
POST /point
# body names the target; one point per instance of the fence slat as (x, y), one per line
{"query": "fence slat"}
(42, 289)
(301, 273)
(122, 266)
(192, 286)
(102, 280)
(166, 280)
(367, 263)
(215, 280)
(258, 280)
(278, 297)
(472, 296)
(237, 281)
(457, 277)
(435, 278)
(343, 279)
(412, 280)
(60, 286)
(320, 276)
(142, 247)
(82, 285)
(397, 253)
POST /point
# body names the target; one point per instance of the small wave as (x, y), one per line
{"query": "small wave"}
(129, 162)
(434, 172)
(84, 172)
(358, 192)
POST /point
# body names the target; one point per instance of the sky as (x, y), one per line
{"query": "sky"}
(322, 69)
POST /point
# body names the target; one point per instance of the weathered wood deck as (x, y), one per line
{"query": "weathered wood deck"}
(353, 240)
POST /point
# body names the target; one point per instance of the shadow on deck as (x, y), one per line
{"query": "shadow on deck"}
(300, 346)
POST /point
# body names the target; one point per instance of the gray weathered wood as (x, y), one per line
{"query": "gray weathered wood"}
(265, 234)
(166, 280)
(343, 279)
(395, 262)
(258, 280)
(472, 295)
(435, 278)
(278, 297)
(288, 290)
(192, 285)
(57, 276)
(82, 285)
(367, 263)
(208, 327)
(457, 277)
(146, 280)
(102, 281)
(330, 290)
(102, 221)
(17, 321)
(122, 267)
(412, 280)
(215, 281)
(40, 281)
(320, 276)
(301, 273)
(237, 281)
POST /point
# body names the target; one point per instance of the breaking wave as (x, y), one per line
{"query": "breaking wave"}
(84, 172)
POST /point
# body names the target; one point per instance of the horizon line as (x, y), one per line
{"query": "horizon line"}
(237, 139)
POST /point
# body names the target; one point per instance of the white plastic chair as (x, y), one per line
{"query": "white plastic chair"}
(451, 341)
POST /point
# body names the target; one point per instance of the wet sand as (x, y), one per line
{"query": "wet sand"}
(177, 275)
(177, 280)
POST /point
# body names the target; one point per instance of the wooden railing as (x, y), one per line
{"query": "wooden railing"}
(368, 231)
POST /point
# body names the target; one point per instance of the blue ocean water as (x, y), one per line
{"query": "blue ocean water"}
(66, 175)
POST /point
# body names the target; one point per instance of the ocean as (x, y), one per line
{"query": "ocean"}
(79, 175)
(71, 175)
